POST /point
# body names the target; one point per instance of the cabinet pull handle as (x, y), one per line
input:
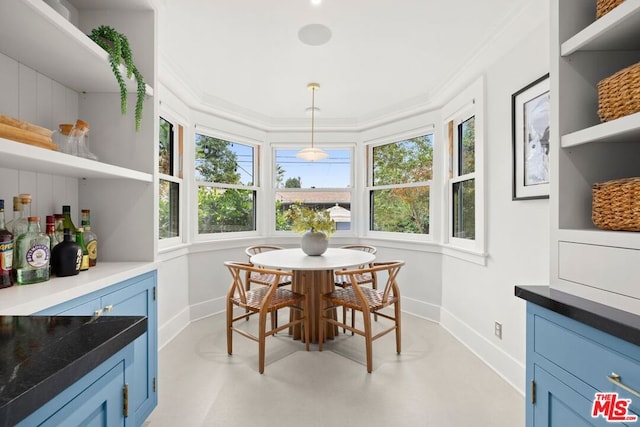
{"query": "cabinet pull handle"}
(108, 308)
(617, 380)
(97, 313)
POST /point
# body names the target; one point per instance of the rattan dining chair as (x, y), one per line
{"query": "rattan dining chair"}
(261, 277)
(364, 279)
(367, 301)
(262, 300)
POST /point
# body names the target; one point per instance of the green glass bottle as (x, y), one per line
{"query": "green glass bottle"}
(33, 252)
(85, 253)
(68, 222)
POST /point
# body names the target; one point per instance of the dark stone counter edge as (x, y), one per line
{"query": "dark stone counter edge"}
(616, 322)
(25, 404)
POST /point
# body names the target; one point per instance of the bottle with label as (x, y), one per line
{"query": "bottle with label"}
(6, 251)
(50, 231)
(31, 259)
(90, 238)
(68, 222)
(66, 257)
(85, 253)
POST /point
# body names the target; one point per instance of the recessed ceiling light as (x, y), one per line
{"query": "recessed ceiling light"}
(316, 2)
(314, 34)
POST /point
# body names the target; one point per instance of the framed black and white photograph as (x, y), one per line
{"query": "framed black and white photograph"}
(530, 122)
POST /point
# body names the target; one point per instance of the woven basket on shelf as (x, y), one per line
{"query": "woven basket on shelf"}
(616, 204)
(604, 6)
(619, 94)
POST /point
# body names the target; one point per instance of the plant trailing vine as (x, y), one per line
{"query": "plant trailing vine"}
(117, 46)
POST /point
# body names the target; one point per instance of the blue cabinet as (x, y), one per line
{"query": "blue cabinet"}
(133, 297)
(568, 362)
(97, 399)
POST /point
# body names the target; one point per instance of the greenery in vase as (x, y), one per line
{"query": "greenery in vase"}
(304, 218)
(117, 46)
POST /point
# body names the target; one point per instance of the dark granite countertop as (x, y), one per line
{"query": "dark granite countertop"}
(40, 356)
(619, 323)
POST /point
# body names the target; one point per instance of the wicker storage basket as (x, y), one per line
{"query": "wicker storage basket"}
(616, 204)
(619, 94)
(605, 6)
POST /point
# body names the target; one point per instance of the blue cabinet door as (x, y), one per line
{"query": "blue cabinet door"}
(133, 297)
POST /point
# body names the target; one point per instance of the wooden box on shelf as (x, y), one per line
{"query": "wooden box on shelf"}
(26, 133)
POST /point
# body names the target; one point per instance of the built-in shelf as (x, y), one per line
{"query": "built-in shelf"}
(617, 30)
(624, 129)
(33, 34)
(16, 155)
(594, 236)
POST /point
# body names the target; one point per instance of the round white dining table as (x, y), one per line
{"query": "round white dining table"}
(313, 276)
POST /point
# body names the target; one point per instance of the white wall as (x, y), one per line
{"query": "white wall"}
(475, 296)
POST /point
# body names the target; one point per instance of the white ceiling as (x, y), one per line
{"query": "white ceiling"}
(244, 56)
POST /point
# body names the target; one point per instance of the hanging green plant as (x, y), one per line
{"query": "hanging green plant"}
(117, 46)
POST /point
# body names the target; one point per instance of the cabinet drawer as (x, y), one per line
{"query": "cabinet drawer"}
(588, 354)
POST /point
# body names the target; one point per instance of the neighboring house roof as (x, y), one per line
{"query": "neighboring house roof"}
(339, 214)
(324, 197)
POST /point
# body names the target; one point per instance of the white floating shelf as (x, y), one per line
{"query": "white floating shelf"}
(624, 129)
(617, 30)
(16, 155)
(33, 34)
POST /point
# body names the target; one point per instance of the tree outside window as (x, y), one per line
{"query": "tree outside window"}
(399, 193)
(224, 173)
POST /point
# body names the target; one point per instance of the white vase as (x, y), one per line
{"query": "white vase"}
(59, 7)
(314, 243)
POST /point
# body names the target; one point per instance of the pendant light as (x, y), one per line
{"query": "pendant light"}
(312, 153)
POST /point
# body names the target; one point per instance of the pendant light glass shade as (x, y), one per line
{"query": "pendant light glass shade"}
(312, 153)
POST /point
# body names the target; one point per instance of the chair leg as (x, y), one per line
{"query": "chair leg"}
(261, 340)
(320, 327)
(229, 327)
(396, 307)
(368, 341)
(307, 322)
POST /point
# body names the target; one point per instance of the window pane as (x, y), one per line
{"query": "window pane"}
(165, 159)
(169, 202)
(338, 203)
(403, 162)
(400, 210)
(467, 146)
(464, 209)
(332, 172)
(225, 210)
(223, 162)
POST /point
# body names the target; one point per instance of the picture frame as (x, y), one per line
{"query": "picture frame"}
(530, 140)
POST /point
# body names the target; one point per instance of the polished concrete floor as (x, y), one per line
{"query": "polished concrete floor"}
(436, 381)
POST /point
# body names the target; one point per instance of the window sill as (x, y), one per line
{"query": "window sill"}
(465, 254)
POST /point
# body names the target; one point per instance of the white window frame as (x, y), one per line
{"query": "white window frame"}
(177, 177)
(469, 103)
(390, 139)
(352, 197)
(256, 187)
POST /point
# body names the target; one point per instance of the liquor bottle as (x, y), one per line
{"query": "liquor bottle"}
(17, 214)
(31, 260)
(20, 225)
(66, 257)
(50, 231)
(59, 227)
(6, 251)
(90, 238)
(68, 222)
(85, 253)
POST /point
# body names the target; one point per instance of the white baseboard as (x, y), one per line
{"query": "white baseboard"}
(510, 369)
(421, 309)
(207, 308)
(170, 329)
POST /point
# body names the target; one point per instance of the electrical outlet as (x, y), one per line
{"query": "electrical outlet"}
(497, 329)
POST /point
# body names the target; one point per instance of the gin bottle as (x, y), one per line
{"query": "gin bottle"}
(6, 251)
(20, 225)
(31, 260)
(90, 238)
(17, 214)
